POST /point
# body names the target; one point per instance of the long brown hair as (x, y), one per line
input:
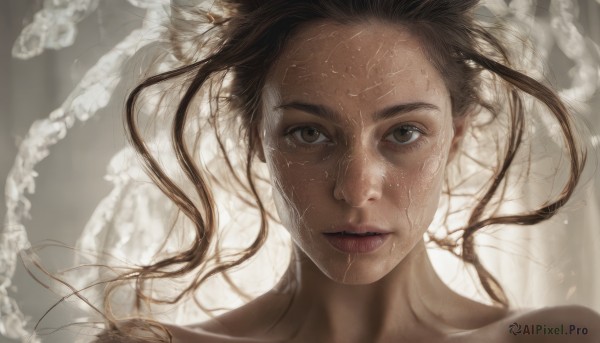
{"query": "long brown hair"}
(247, 38)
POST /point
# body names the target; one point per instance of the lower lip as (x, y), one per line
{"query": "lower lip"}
(357, 244)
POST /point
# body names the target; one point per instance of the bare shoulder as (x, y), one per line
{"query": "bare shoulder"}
(184, 334)
(242, 325)
(148, 331)
(253, 322)
(571, 323)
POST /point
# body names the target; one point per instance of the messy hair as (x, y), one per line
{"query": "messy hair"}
(251, 35)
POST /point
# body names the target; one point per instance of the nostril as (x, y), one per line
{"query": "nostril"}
(358, 183)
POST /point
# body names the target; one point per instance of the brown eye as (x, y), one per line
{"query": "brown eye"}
(404, 134)
(308, 135)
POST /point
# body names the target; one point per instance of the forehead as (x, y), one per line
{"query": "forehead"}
(361, 60)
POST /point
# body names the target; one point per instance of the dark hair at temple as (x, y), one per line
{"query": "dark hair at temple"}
(251, 37)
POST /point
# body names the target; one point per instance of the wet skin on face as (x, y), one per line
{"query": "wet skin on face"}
(356, 129)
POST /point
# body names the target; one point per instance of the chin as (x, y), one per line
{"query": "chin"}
(356, 270)
(358, 279)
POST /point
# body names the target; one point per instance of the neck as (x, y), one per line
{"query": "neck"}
(402, 301)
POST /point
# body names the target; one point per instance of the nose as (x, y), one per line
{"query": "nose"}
(359, 180)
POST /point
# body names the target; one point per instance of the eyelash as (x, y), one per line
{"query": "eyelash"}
(414, 144)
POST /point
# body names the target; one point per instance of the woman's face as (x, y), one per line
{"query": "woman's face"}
(356, 133)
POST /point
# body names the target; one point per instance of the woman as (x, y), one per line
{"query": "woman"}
(358, 110)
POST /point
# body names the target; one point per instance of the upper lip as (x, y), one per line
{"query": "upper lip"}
(351, 228)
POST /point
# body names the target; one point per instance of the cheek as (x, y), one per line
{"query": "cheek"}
(418, 199)
(298, 188)
(422, 201)
(430, 173)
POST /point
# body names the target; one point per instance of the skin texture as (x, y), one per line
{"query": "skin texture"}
(362, 170)
(358, 169)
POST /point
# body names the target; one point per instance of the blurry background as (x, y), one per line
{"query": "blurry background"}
(70, 182)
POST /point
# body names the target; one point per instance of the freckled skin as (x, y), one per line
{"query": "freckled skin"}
(372, 179)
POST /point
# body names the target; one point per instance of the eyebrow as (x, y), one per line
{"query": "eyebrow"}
(386, 113)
